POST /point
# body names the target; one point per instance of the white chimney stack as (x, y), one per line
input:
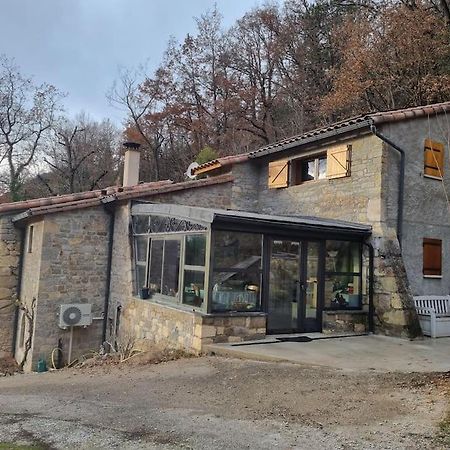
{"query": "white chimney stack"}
(131, 166)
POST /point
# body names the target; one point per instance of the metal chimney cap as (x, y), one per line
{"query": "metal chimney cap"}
(131, 145)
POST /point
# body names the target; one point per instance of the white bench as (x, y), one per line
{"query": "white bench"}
(434, 314)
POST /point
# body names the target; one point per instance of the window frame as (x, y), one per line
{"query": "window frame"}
(296, 165)
(432, 242)
(181, 236)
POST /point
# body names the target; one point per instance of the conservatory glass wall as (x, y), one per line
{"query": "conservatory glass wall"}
(246, 268)
(170, 257)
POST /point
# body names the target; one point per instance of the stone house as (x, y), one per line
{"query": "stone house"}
(332, 230)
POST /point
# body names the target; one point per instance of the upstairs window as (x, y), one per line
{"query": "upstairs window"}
(432, 257)
(433, 159)
(309, 169)
(334, 164)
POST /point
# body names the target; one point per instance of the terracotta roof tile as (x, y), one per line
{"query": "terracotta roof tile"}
(375, 118)
(77, 197)
(116, 193)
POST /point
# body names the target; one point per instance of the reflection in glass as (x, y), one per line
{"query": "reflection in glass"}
(141, 248)
(195, 250)
(140, 277)
(342, 291)
(171, 268)
(283, 286)
(156, 255)
(193, 289)
(236, 271)
(234, 250)
(343, 256)
(312, 267)
(236, 291)
(322, 168)
(308, 170)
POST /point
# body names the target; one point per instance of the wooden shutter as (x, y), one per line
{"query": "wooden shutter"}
(338, 161)
(433, 158)
(432, 256)
(278, 174)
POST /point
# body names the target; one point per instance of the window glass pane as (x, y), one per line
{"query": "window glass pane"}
(171, 268)
(308, 169)
(140, 278)
(236, 291)
(234, 250)
(156, 253)
(140, 224)
(342, 256)
(322, 165)
(342, 291)
(165, 224)
(141, 248)
(193, 289)
(195, 250)
(312, 266)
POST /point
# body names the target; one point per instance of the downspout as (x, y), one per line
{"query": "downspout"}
(371, 287)
(19, 289)
(111, 211)
(401, 181)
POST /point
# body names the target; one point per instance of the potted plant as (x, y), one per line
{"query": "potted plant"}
(144, 293)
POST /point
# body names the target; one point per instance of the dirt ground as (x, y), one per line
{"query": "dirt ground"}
(220, 403)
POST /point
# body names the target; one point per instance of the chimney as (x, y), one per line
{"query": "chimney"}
(131, 166)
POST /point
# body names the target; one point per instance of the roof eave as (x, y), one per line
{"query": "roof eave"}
(365, 123)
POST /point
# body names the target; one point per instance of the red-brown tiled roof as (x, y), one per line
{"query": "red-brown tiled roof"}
(363, 121)
(77, 197)
(143, 190)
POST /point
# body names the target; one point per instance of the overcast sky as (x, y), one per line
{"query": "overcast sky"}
(78, 45)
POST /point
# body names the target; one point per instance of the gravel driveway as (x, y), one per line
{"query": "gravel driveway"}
(220, 403)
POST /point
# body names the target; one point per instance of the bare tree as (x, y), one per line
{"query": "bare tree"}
(27, 112)
(83, 156)
(139, 100)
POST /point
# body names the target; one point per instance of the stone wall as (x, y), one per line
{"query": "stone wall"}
(9, 263)
(426, 208)
(73, 270)
(355, 198)
(122, 273)
(29, 291)
(361, 198)
(153, 325)
(345, 321)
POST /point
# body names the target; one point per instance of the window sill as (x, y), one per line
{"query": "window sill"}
(435, 277)
(170, 302)
(307, 182)
(432, 177)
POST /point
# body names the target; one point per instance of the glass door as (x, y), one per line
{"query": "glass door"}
(293, 295)
(284, 279)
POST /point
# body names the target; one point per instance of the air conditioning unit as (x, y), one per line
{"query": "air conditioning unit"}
(75, 315)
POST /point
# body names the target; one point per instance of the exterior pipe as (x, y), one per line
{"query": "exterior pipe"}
(371, 287)
(112, 217)
(18, 290)
(401, 181)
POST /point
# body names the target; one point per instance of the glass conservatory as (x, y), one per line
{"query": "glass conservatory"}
(222, 262)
